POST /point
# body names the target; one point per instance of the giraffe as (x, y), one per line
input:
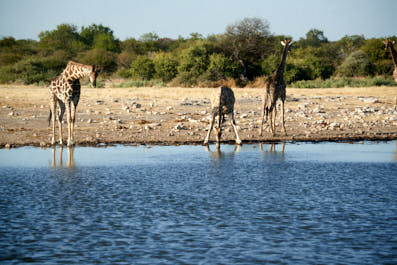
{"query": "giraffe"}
(274, 90)
(389, 44)
(222, 104)
(66, 88)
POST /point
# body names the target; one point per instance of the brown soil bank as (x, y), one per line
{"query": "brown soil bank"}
(180, 115)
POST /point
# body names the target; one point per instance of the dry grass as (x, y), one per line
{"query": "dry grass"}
(21, 93)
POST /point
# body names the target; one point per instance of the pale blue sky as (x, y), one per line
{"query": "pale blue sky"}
(25, 19)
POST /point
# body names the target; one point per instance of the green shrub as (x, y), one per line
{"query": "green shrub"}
(142, 68)
(222, 67)
(194, 59)
(104, 59)
(124, 73)
(7, 74)
(165, 67)
(185, 79)
(356, 64)
(27, 71)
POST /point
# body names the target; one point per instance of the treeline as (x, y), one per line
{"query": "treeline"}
(245, 53)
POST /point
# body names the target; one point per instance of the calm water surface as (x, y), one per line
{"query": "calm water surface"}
(307, 204)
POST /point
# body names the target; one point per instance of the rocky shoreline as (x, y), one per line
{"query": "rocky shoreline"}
(167, 116)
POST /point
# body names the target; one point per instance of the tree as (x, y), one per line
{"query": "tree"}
(64, 37)
(100, 37)
(106, 42)
(349, 44)
(88, 33)
(246, 41)
(314, 38)
(377, 56)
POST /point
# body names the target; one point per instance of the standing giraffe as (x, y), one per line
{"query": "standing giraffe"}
(274, 90)
(66, 88)
(222, 103)
(389, 44)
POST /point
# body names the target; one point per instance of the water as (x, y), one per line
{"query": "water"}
(313, 203)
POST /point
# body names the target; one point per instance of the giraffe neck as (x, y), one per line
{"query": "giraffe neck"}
(393, 55)
(281, 67)
(75, 71)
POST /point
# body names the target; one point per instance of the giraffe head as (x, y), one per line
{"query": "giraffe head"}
(287, 43)
(388, 43)
(94, 74)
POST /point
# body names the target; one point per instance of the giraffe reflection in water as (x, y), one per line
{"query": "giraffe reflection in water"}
(218, 154)
(70, 161)
(272, 150)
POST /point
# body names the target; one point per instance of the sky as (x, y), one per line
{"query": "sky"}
(25, 19)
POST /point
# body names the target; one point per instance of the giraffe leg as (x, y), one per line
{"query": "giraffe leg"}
(233, 122)
(62, 111)
(210, 129)
(270, 113)
(70, 142)
(263, 114)
(219, 129)
(53, 105)
(73, 114)
(274, 120)
(283, 120)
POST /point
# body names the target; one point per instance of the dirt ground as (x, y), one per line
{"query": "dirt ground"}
(181, 115)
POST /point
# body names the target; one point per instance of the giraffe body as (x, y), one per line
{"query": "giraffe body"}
(66, 89)
(222, 104)
(275, 88)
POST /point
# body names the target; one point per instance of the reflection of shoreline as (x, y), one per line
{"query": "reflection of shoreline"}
(70, 163)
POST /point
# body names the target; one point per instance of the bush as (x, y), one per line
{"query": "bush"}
(185, 79)
(142, 68)
(222, 67)
(165, 67)
(104, 59)
(356, 64)
(125, 58)
(194, 59)
(123, 73)
(293, 73)
(7, 74)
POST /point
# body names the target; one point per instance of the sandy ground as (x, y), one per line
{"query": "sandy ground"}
(180, 115)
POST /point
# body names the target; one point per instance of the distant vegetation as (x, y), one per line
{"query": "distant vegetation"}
(243, 55)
